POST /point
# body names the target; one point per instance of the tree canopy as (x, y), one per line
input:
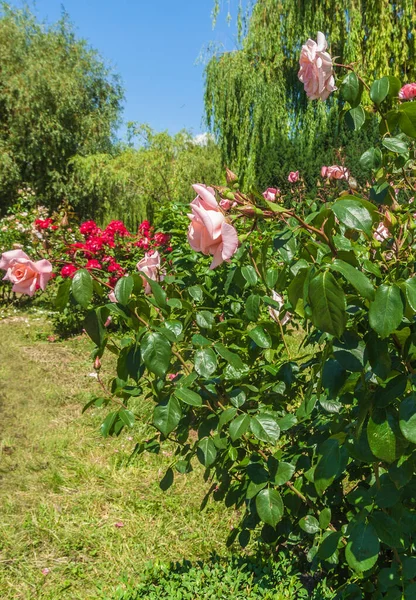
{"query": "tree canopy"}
(254, 102)
(57, 99)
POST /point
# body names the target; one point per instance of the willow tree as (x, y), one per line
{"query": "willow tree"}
(255, 104)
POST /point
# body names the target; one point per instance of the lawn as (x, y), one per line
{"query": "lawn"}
(65, 491)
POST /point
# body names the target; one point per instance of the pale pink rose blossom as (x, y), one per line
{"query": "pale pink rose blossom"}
(381, 233)
(150, 266)
(227, 204)
(271, 193)
(293, 176)
(335, 172)
(209, 232)
(275, 313)
(316, 70)
(408, 92)
(27, 276)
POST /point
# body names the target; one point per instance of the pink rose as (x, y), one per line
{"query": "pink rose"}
(227, 204)
(293, 176)
(27, 276)
(335, 172)
(271, 193)
(275, 313)
(150, 266)
(381, 233)
(209, 231)
(316, 71)
(408, 91)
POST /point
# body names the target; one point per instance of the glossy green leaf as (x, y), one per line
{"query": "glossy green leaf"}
(386, 311)
(188, 396)
(249, 274)
(410, 290)
(205, 362)
(407, 118)
(123, 289)
(261, 337)
(328, 304)
(372, 159)
(324, 518)
(127, 417)
(265, 428)
(355, 277)
(233, 359)
(407, 418)
(269, 506)
(205, 319)
(327, 467)
(362, 547)
(395, 145)
(309, 524)
(239, 426)
(253, 307)
(354, 215)
(166, 415)
(95, 328)
(62, 297)
(355, 118)
(206, 451)
(351, 88)
(381, 436)
(284, 473)
(379, 90)
(81, 287)
(156, 353)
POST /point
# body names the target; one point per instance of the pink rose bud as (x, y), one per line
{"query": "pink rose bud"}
(150, 266)
(271, 193)
(112, 297)
(335, 172)
(97, 363)
(45, 571)
(108, 321)
(119, 524)
(408, 92)
(293, 176)
(316, 71)
(230, 176)
(209, 232)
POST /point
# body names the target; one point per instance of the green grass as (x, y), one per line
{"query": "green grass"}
(63, 487)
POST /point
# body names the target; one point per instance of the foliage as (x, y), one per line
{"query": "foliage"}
(314, 442)
(136, 183)
(254, 104)
(57, 100)
(237, 578)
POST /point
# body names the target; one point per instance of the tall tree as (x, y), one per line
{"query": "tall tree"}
(254, 102)
(57, 99)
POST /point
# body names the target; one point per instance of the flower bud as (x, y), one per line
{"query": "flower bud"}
(230, 176)
(97, 363)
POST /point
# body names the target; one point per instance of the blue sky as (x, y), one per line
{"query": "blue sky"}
(154, 45)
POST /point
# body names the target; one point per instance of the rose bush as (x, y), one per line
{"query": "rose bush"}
(289, 374)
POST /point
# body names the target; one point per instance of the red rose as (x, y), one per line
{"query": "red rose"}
(68, 271)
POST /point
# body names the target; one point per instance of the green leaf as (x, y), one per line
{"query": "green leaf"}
(407, 418)
(327, 304)
(410, 290)
(62, 297)
(372, 159)
(253, 307)
(355, 118)
(353, 215)
(396, 145)
(269, 506)
(355, 277)
(381, 435)
(123, 289)
(271, 277)
(226, 416)
(249, 274)
(127, 417)
(108, 423)
(175, 327)
(387, 529)
(205, 362)
(166, 415)
(205, 319)
(328, 465)
(233, 359)
(206, 451)
(265, 428)
(407, 118)
(363, 547)
(324, 518)
(156, 353)
(159, 294)
(95, 328)
(200, 340)
(81, 287)
(284, 473)
(261, 337)
(196, 292)
(188, 396)
(167, 480)
(309, 524)
(386, 311)
(351, 88)
(239, 426)
(379, 90)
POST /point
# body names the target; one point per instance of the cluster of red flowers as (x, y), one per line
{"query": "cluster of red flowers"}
(45, 224)
(148, 240)
(98, 243)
